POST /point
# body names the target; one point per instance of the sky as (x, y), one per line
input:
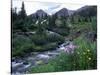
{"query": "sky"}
(31, 6)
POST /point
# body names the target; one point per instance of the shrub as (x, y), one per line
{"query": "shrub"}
(21, 45)
(43, 39)
(55, 38)
(84, 58)
(62, 31)
(39, 39)
(46, 47)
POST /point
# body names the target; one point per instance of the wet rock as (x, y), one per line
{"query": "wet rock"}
(51, 53)
(25, 63)
(15, 64)
(43, 56)
(36, 59)
(40, 62)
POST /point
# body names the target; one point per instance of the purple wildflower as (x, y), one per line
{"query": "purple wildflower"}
(70, 48)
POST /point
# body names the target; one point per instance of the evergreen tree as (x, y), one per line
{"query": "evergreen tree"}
(22, 19)
(22, 13)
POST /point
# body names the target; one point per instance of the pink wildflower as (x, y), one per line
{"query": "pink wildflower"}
(70, 48)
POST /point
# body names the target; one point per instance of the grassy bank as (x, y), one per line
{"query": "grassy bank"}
(84, 58)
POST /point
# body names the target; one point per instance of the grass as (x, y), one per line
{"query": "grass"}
(84, 58)
(87, 53)
(34, 43)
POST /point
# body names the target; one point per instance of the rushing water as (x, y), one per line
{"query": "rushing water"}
(36, 59)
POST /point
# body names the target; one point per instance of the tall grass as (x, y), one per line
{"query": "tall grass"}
(87, 53)
(84, 58)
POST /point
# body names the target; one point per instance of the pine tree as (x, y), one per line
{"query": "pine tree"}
(22, 13)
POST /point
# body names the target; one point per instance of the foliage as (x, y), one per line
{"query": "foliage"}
(22, 13)
(21, 45)
(34, 43)
(94, 24)
(62, 31)
(83, 58)
(87, 53)
(46, 47)
(41, 39)
(48, 35)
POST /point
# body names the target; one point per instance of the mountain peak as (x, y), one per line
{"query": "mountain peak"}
(62, 12)
(39, 13)
(86, 11)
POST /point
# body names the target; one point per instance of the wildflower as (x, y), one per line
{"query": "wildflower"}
(84, 53)
(88, 50)
(89, 58)
(70, 48)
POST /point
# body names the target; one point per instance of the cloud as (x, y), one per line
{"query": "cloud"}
(52, 9)
(49, 7)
